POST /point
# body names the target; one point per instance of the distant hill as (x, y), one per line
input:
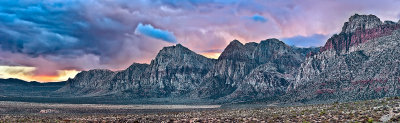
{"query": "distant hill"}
(17, 88)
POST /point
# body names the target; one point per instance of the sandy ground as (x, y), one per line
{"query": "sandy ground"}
(103, 106)
(380, 110)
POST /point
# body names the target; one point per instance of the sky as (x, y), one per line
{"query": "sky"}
(52, 40)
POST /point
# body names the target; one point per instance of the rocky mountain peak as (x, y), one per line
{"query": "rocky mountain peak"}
(180, 45)
(136, 65)
(274, 50)
(359, 29)
(389, 23)
(251, 44)
(235, 51)
(272, 44)
(235, 42)
(176, 50)
(99, 71)
(176, 47)
(272, 41)
(177, 55)
(87, 80)
(94, 72)
(233, 45)
(361, 21)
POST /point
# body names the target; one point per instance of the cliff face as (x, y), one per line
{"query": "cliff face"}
(129, 79)
(176, 71)
(361, 62)
(93, 82)
(361, 22)
(274, 65)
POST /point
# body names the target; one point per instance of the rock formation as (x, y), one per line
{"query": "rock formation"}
(361, 62)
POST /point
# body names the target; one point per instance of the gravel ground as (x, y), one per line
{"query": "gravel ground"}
(380, 110)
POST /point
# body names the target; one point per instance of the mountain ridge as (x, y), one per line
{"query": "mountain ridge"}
(360, 62)
(177, 71)
(268, 70)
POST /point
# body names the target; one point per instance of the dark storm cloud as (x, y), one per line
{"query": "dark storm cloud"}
(58, 35)
(59, 29)
(35, 28)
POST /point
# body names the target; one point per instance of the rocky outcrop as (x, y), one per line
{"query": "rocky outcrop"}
(176, 71)
(275, 68)
(389, 22)
(359, 64)
(93, 82)
(262, 82)
(237, 51)
(234, 63)
(359, 29)
(362, 22)
(129, 80)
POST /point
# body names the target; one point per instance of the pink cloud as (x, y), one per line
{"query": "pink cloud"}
(105, 38)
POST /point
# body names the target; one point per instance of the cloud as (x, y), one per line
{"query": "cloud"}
(16, 71)
(91, 34)
(306, 41)
(150, 31)
(259, 18)
(398, 17)
(4, 62)
(213, 51)
(35, 28)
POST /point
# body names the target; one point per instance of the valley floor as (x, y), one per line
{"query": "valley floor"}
(387, 109)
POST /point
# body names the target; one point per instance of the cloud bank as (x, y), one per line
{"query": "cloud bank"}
(80, 35)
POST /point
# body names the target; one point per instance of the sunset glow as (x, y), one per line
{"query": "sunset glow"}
(211, 55)
(27, 74)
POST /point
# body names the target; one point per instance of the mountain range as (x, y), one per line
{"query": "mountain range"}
(360, 62)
